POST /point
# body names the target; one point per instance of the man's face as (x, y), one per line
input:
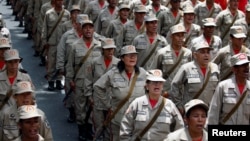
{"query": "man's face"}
(108, 53)
(30, 127)
(112, 3)
(59, 3)
(241, 71)
(208, 31)
(175, 4)
(24, 99)
(177, 38)
(237, 42)
(202, 56)
(233, 4)
(188, 18)
(88, 30)
(12, 65)
(151, 26)
(124, 13)
(74, 14)
(139, 16)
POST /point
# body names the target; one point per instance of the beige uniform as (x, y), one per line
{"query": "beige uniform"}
(183, 135)
(40, 138)
(93, 9)
(167, 20)
(186, 3)
(242, 22)
(77, 52)
(144, 48)
(5, 86)
(191, 78)
(50, 20)
(10, 129)
(223, 21)
(223, 59)
(140, 112)
(225, 97)
(166, 59)
(104, 19)
(201, 12)
(151, 10)
(119, 84)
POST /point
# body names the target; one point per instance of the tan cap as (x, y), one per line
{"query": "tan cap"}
(177, 29)
(108, 43)
(82, 17)
(155, 75)
(201, 45)
(128, 50)
(208, 22)
(195, 102)
(188, 9)
(237, 32)
(23, 87)
(75, 7)
(4, 43)
(27, 112)
(150, 17)
(140, 8)
(87, 22)
(248, 7)
(123, 6)
(239, 59)
(11, 54)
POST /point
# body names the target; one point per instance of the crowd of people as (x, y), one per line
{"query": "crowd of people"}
(131, 69)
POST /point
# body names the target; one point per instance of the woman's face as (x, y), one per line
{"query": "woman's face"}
(30, 127)
(130, 60)
(155, 87)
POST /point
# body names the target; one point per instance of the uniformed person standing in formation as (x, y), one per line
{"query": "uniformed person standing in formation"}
(142, 109)
(156, 8)
(50, 38)
(100, 66)
(126, 82)
(78, 68)
(148, 43)
(24, 95)
(230, 93)
(4, 45)
(198, 78)
(171, 57)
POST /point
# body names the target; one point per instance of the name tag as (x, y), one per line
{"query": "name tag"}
(194, 80)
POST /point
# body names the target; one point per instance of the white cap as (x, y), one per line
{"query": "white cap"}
(208, 22)
(177, 29)
(82, 17)
(155, 75)
(129, 49)
(11, 54)
(75, 7)
(123, 6)
(4, 43)
(23, 87)
(201, 45)
(239, 59)
(188, 9)
(87, 22)
(195, 102)
(27, 112)
(108, 43)
(140, 8)
(237, 32)
(150, 17)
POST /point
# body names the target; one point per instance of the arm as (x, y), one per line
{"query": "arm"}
(60, 54)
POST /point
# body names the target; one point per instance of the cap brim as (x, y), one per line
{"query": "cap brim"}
(153, 78)
(210, 24)
(240, 35)
(241, 62)
(141, 11)
(200, 104)
(109, 46)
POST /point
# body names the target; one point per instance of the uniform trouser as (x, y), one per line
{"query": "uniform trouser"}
(99, 117)
(37, 41)
(68, 103)
(80, 102)
(52, 74)
(115, 132)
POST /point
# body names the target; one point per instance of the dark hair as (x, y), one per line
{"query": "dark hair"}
(121, 66)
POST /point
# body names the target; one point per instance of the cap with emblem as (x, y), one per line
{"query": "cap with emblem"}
(11, 54)
(140, 8)
(177, 29)
(81, 17)
(23, 87)
(248, 7)
(201, 45)
(237, 32)
(123, 6)
(193, 103)
(150, 17)
(27, 112)
(128, 50)
(208, 22)
(108, 43)
(155, 75)
(4, 43)
(239, 59)
(85, 22)
(188, 9)
(75, 7)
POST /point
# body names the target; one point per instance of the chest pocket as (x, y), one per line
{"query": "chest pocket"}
(105, 23)
(163, 123)
(229, 100)
(194, 84)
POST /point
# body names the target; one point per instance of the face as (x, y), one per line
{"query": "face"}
(30, 127)
(151, 26)
(177, 39)
(2, 50)
(241, 71)
(12, 65)
(59, 3)
(175, 4)
(108, 53)
(87, 31)
(237, 42)
(188, 18)
(202, 56)
(123, 13)
(139, 16)
(130, 60)
(24, 99)
(196, 120)
(112, 3)
(74, 14)
(233, 4)
(154, 87)
(208, 31)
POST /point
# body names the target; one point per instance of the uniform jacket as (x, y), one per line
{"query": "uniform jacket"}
(39, 139)
(225, 97)
(139, 114)
(119, 85)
